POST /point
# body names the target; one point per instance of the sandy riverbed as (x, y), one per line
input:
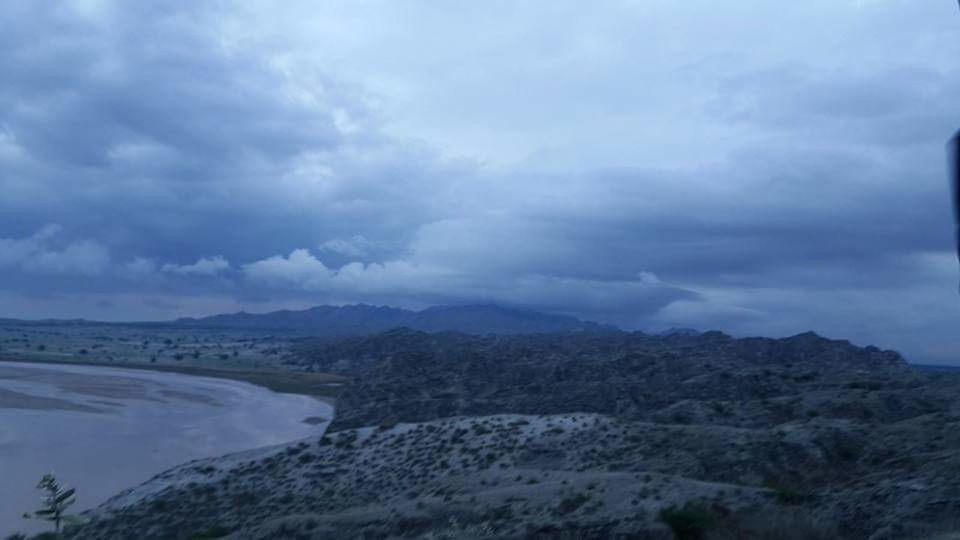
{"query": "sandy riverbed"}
(106, 429)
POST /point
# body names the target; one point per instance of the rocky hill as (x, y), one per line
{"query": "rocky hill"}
(361, 319)
(408, 376)
(587, 436)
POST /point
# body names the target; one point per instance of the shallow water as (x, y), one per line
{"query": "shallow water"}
(103, 430)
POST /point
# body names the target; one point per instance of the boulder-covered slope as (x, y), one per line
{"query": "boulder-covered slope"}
(587, 436)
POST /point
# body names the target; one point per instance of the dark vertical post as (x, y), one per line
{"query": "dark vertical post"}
(953, 164)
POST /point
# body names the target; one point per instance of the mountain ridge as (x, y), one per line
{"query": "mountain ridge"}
(360, 319)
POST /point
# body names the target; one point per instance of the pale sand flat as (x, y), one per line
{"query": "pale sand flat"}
(17, 400)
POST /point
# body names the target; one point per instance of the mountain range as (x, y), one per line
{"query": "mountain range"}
(362, 319)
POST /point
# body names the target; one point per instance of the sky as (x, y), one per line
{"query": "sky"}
(763, 168)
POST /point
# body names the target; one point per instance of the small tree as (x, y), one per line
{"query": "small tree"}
(55, 502)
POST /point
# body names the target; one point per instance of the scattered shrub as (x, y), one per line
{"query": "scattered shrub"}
(789, 497)
(572, 504)
(689, 522)
(213, 532)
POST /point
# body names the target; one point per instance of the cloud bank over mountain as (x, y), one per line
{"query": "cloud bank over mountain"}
(646, 164)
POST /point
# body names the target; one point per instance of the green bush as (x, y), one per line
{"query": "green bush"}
(789, 497)
(689, 522)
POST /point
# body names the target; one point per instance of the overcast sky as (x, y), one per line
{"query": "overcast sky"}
(759, 167)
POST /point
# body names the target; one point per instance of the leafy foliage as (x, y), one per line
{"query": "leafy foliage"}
(57, 499)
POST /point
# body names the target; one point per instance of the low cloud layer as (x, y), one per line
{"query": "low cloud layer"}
(644, 164)
(42, 253)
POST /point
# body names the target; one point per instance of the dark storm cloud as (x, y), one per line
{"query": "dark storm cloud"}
(893, 106)
(175, 161)
(140, 128)
(161, 159)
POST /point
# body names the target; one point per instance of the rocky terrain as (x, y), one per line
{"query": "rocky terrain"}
(587, 436)
(408, 376)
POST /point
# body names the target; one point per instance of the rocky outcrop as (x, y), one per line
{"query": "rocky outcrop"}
(710, 378)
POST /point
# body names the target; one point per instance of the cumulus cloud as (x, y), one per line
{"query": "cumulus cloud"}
(139, 269)
(207, 266)
(409, 281)
(42, 253)
(83, 257)
(357, 246)
(300, 269)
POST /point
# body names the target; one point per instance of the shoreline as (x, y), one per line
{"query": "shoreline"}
(106, 429)
(320, 386)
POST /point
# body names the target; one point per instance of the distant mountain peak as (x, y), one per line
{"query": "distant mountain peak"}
(676, 332)
(361, 319)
